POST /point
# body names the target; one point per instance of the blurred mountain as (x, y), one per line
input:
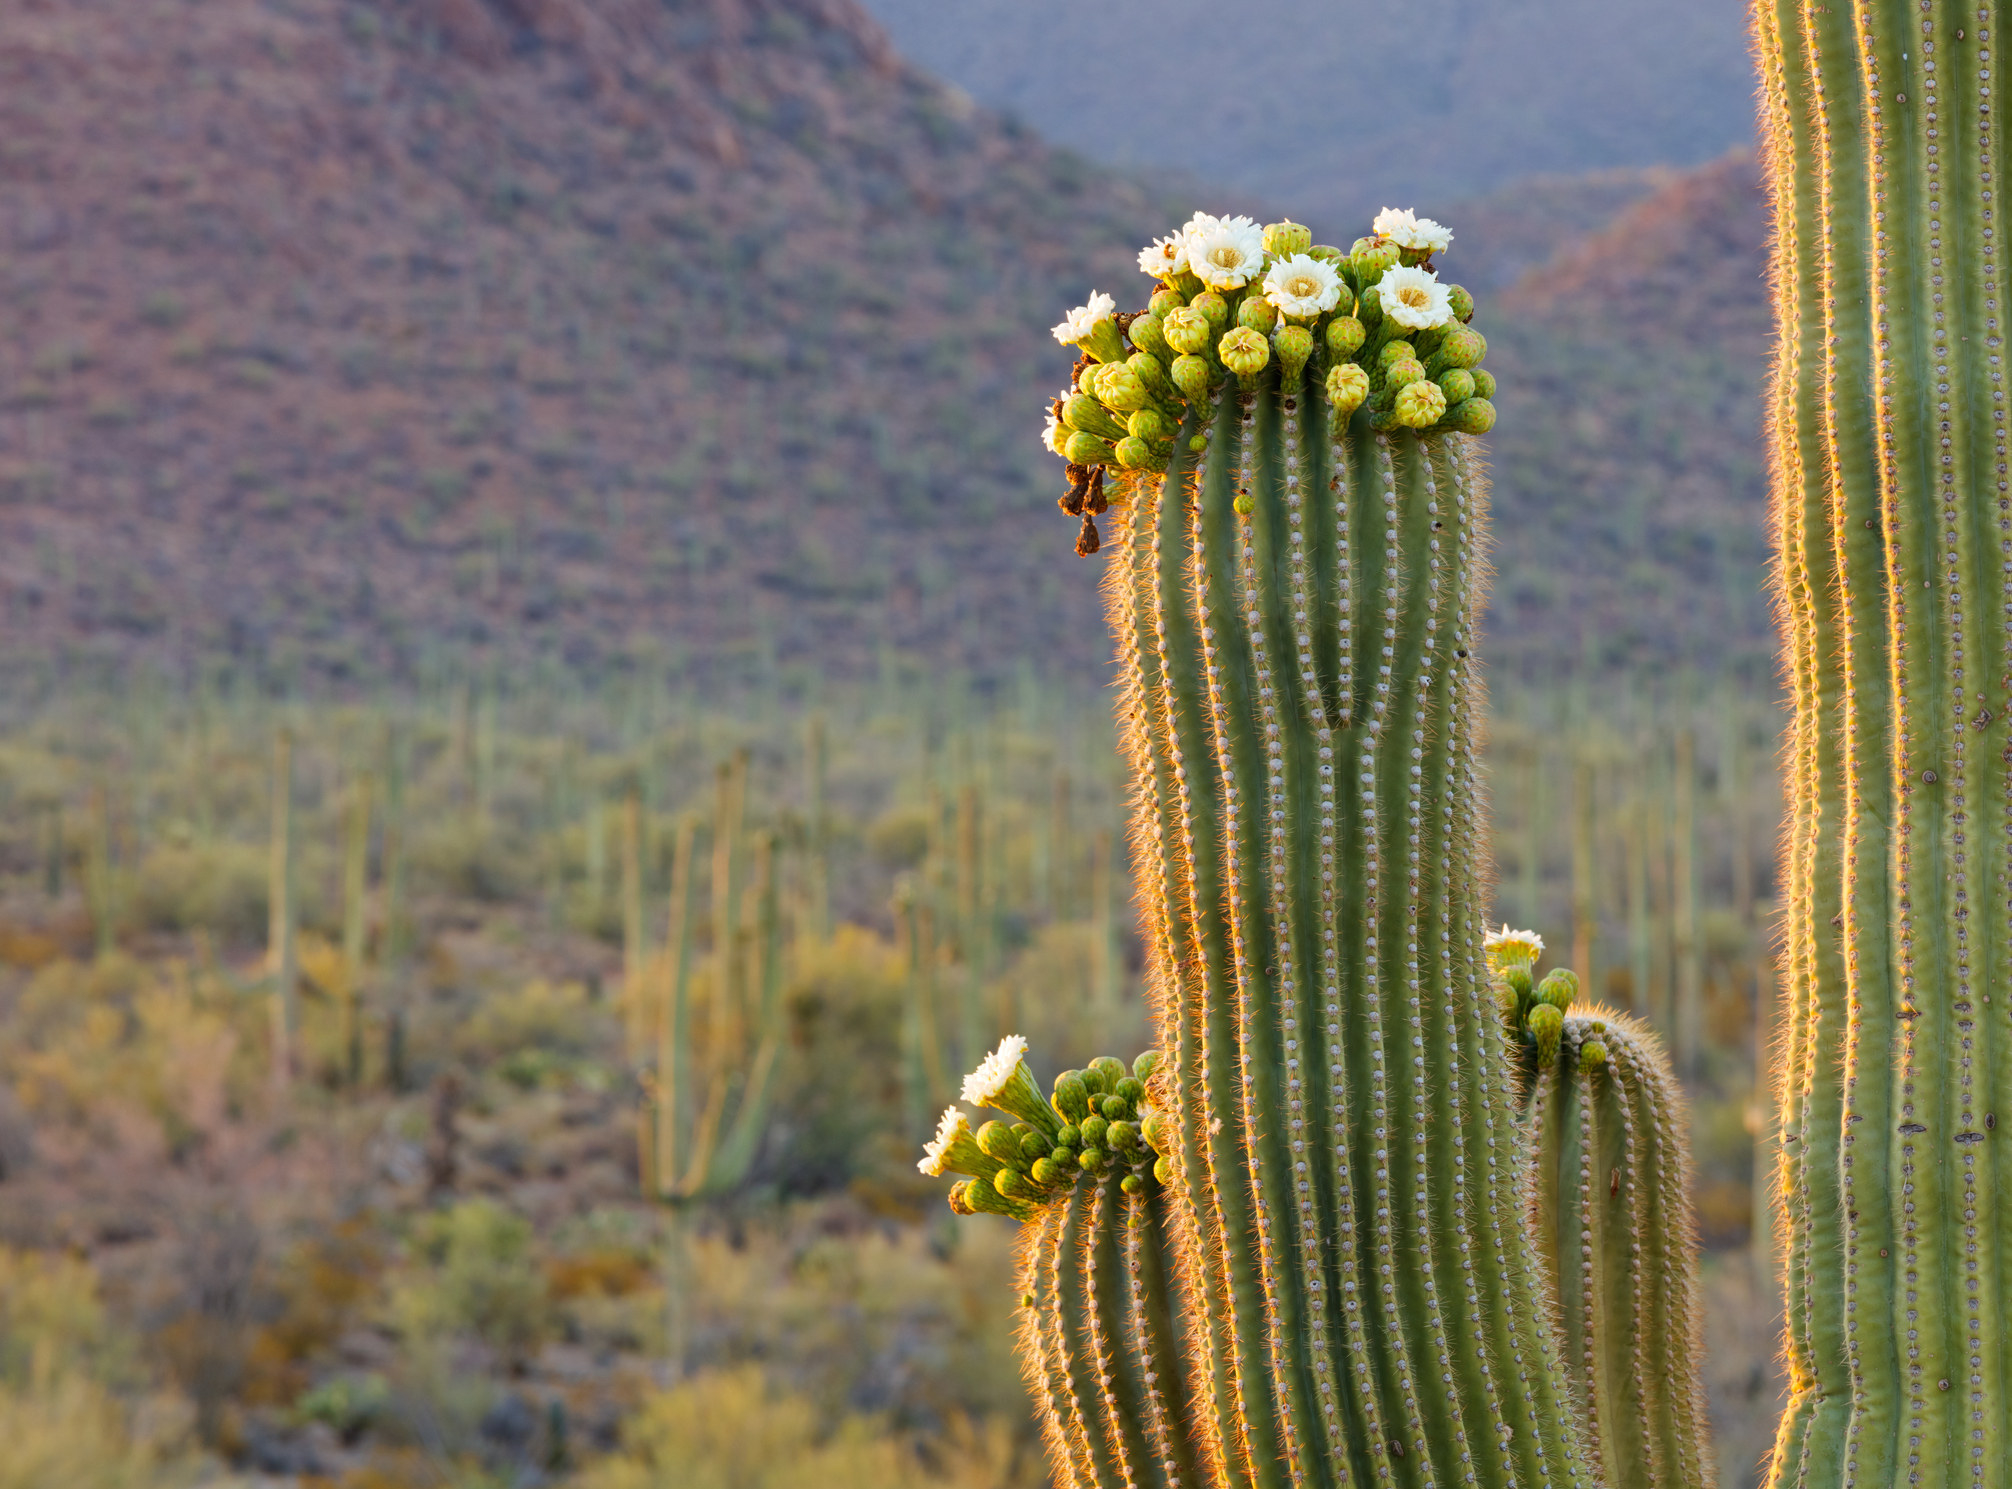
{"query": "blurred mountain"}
(1342, 106)
(349, 339)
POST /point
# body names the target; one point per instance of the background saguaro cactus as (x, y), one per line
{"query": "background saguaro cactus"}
(1893, 526)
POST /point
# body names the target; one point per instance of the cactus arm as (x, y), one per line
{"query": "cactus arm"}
(674, 1054)
(1152, 1311)
(737, 1150)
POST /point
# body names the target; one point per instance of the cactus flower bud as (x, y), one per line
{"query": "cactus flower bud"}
(1115, 1108)
(1559, 987)
(1093, 1080)
(1345, 335)
(1284, 239)
(1258, 315)
(1372, 259)
(1154, 1130)
(1463, 346)
(1012, 1184)
(1147, 1062)
(1132, 1184)
(1401, 374)
(1124, 1136)
(1087, 449)
(1089, 415)
(1091, 328)
(1294, 344)
(1163, 1170)
(1150, 371)
(981, 1197)
(996, 1141)
(1245, 353)
(1518, 977)
(1094, 1129)
(1195, 378)
(1347, 387)
(1072, 1101)
(1475, 416)
(1369, 307)
(1131, 1088)
(1484, 382)
(1110, 1069)
(1592, 1054)
(1547, 1027)
(1394, 351)
(1165, 298)
(1506, 1002)
(1213, 307)
(1032, 1144)
(1150, 424)
(1091, 1161)
(1047, 1174)
(960, 1201)
(1457, 385)
(1133, 453)
(1064, 1156)
(1148, 335)
(1071, 1136)
(1463, 303)
(1187, 330)
(1119, 388)
(1419, 405)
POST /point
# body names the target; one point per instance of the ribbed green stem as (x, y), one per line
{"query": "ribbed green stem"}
(1893, 529)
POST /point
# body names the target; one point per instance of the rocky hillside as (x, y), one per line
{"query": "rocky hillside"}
(355, 340)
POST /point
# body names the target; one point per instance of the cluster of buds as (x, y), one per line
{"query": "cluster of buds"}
(1375, 326)
(1098, 1122)
(1534, 1009)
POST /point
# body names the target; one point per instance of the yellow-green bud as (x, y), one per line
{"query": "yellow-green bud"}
(1124, 1135)
(1046, 1173)
(1094, 1129)
(1013, 1184)
(997, 1141)
(1151, 371)
(1392, 351)
(1154, 1130)
(1165, 299)
(1091, 1161)
(1187, 330)
(1212, 305)
(1475, 416)
(1163, 1170)
(1072, 1101)
(1419, 405)
(1592, 1054)
(1506, 1001)
(1130, 1088)
(1133, 453)
(1257, 314)
(1457, 385)
(1369, 306)
(1244, 504)
(1150, 424)
(1087, 449)
(1401, 373)
(1463, 303)
(1559, 987)
(1082, 412)
(1462, 347)
(1547, 1027)
(1120, 388)
(1372, 258)
(1064, 1155)
(1519, 979)
(1484, 382)
(1284, 239)
(1347, 387)
(1327, 253)
(1032, 1144)
(1245, 353)
(1104, 344)
(1196, 379)
(1110, 1070)
(1345, 335)
(1115, 1108)
(987, 1198)
(1148, 335)
(1147, 1062)
(1086, 378)
(1132, 1184)
(1294, 344)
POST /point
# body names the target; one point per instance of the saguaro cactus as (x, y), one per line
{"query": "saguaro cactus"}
(1893, 529)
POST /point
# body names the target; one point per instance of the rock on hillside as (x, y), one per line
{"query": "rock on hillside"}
(341, 338)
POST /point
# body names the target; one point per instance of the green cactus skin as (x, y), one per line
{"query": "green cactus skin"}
(1299, 698)
(1609, 1185)
(1891, 520)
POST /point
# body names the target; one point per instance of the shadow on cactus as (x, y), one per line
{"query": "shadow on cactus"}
(1332, 1173)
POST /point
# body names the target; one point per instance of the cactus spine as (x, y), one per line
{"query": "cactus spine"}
(1892, 527)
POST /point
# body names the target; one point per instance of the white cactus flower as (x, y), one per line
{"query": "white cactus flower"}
(1228, 254)
(950, 1132)
(995, 1072)
(1163, 258)
(1084, 318)
(1414, 298)
(1408, 230)
(1507, 948)
(1302, 286)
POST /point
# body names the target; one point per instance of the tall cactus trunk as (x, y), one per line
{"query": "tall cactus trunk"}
(282, 951)
(1300, 702)
(1892, 526)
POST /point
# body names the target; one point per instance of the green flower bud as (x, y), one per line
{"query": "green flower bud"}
(1457, 385)
(1150, 424)
(1368, 264)
(1327, 253)
(1401, 374)
(1294, 344)
(1284, 239)
(1187, 330)
(1086, 380)
(1115, 1108)
(1369, 307)
(960, 1197)
(1592, 1054)
(1148, 335)
(1071, 1136)
(1110, 1069)
(1088, 415)
(1091, 1161)
(1131, 1088)
(1163, 1170)
(1245, 353)
(1244, 504)
(1132, 1184)
(1345, 335)
(1094, 1129)
(1151, 371)
(1212, 305)
(1462, 347)
(1484, 383)
(1196, 379)
(1093, 1080)
(1197, 443)
(1393, 351)
(1547, 1027)
(1463, 303)
(1559, 987)
(1165, 299)
(1519, 979)
(1034, 1144)
(1506, 1001)
(1118, 387)
(1124, 1136)
(1012, 1184)
(996, 1141)
(1419, 405)
(1146, 1064)
(1133, 453)
(987, 1199)
(1475, 416)
(1087, 449)
(1154, 1131)
(1064, 1155)
(1257, 314)
(1104, 344)
(1048, 1175)
(1072, 1100)
(1347, 387)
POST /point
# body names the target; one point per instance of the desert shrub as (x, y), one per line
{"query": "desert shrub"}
(478, 1276)
(544, 1019)
(838, 1104)
(218, 886)
(73, 1432)
(470, 857)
